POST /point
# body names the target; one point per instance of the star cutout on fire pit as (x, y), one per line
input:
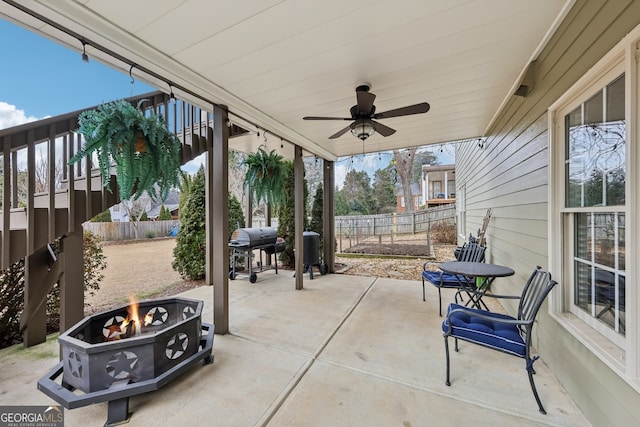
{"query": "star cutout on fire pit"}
(111, 328)
(187, 312)
(159, 315)
(122, 364)
(177, 345)
(75, 365)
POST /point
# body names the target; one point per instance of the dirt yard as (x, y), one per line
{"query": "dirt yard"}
(143, 269)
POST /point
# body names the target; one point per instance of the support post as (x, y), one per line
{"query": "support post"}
(328, 216)
(33, 322)
(72, 279)
(298, 172)
(217, 203)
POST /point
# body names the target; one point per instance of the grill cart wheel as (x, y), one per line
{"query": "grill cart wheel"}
(253, 278)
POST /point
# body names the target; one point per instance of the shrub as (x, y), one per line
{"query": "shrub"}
(165, 214)
(12, 290)
(102, 217)
(190, 250)
(236, 216)
(286, 217)
(316, 223)
(444, 232)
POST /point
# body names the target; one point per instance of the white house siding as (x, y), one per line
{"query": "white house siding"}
(510, 176)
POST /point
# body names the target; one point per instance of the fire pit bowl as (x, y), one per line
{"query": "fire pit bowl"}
(129, 350)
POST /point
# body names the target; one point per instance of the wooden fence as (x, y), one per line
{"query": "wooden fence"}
(109, 231)
(354, 229)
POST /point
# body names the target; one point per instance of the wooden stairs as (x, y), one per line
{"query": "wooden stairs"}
(47, 200)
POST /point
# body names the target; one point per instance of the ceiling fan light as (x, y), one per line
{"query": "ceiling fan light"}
(363, 129)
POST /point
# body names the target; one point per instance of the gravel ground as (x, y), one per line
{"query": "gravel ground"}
(143, 268)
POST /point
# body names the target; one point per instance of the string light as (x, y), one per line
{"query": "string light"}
(85, 57)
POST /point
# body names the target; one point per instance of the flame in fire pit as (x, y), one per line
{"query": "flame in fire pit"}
(130, 326)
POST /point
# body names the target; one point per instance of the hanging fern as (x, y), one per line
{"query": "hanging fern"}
(264, 180)
(146, 154)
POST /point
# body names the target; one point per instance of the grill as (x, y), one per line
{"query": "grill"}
(246, 240)
(253, 237)
(134, 349)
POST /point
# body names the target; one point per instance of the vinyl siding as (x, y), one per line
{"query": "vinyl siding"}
(510, 176)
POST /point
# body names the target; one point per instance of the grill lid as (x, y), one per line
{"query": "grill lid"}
(251, 237)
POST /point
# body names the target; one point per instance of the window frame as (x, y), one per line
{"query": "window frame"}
(622, 355)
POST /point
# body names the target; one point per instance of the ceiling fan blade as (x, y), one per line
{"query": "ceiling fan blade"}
(382, 129)
(404, 111)
(340, 132)
(365, 102)
(326, 118)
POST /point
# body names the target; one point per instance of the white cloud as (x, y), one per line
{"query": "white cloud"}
(10, 116)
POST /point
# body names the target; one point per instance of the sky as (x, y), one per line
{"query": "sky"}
(39, 79)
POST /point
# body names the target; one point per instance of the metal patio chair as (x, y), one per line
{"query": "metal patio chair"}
(510, 335)
(470, 252)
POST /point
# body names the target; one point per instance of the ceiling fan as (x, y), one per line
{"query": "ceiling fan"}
(364, 113)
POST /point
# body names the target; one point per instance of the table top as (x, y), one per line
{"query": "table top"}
(476, 269)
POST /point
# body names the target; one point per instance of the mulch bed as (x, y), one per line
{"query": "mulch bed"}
(389, 249)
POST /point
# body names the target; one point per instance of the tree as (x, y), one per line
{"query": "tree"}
(185, 185)
(340, 205)
(314, 176)
(404, 164)
(286, 216)
(165, 214)
(425, 157)
(136, 209)
(190, 250)
(236, 215)
(317, 214)
(358, 193)
(384, 191)
(104, 216)
(237, 170)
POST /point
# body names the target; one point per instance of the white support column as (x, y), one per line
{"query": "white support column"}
(446, 185)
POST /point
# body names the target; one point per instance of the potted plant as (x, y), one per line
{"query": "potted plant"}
(140, 144)
(265, 177)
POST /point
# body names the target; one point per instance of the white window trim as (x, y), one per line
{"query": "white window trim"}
(623, 57)
(461, 207)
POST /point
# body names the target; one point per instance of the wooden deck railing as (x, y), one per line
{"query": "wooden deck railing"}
(45, 199)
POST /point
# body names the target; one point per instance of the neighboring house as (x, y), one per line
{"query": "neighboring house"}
(559, 166)
(416, 195)
(438, 185)
(172, 202)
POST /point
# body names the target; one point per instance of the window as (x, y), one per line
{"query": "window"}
(595, 159)
(593, 202)
(437, 189)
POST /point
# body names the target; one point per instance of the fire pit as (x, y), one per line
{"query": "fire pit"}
(130, 350)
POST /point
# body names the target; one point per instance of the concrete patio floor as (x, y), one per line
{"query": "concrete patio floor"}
(344, 351)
